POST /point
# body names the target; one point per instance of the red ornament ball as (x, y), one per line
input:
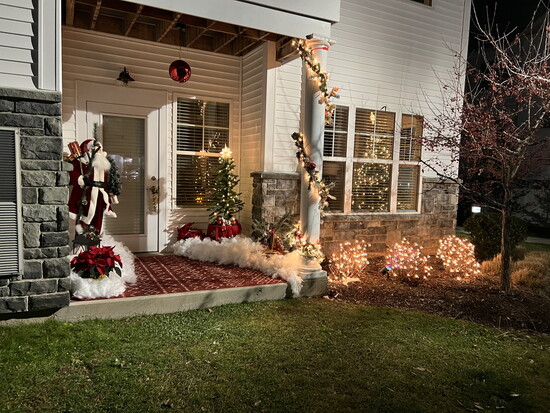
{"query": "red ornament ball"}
(180, 71)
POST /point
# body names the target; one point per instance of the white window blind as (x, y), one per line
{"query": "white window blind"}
(202, 132)
(10, 241)
(407, 187)
(374, 134)
(411, 138)
(336, 134)
(371, 187)
(335, 173)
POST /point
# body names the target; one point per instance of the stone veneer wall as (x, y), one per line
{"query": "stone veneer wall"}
(44, 282)
(274, 194)
(438, 219)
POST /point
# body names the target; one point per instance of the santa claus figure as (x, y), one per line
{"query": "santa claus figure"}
(91, 196)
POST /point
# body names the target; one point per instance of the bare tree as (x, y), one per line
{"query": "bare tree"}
(493, 126)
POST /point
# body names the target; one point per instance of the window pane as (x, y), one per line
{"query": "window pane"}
(216, 114)
(336, 135)
(374, 134)
(124, 137)
(190, 111)
(407, 187)
(215, 139)
(371, 187)
(335, 172)
(411, 134)
(189, 138)
(194, 180)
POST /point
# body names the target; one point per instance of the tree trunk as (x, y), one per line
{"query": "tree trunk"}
(506, 249)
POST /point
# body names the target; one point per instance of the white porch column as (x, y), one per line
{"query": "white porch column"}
(313, 126)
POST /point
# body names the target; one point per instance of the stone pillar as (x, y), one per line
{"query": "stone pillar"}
(313, 125)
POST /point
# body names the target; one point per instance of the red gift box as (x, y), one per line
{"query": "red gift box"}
(187, 232)
(216, 231)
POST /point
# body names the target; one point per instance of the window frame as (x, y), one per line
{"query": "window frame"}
(175, 152)
(349, 160)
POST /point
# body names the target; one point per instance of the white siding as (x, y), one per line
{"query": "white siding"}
(287, 115)
(392, 53)
(252, 120)
(17, 30)
(387, 53)
(98, 57)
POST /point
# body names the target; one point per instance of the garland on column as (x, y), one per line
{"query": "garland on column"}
(315, 179)
(306, 53)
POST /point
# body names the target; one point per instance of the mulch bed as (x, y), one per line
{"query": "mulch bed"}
(478, 300)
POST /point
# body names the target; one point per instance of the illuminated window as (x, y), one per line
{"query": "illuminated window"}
(202, 132)
(373, 161)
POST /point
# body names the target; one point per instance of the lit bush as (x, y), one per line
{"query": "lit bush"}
(406, 262)
(458, 256)
(349, 261)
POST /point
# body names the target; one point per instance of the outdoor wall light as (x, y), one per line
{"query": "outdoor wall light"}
(125, 77)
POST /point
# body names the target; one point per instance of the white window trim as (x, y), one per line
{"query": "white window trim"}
(395, 162)
(175, 152)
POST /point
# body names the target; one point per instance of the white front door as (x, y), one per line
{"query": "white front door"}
(130, 135)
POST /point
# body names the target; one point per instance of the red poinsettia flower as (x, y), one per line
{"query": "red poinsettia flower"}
(96, 262)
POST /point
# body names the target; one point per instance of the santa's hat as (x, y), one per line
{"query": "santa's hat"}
(89, 144)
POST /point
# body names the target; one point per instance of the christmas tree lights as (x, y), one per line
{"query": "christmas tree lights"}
(349, 261)
(320, 76)
(458, 257)
(225, 200)
(406, 262)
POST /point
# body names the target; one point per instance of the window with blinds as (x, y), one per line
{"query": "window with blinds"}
(336, 134)
(410, 144)
(371, 187)
(202, 130)
(377, 180)
(374, 134)
(407, 187)
(10, 241)
(335, 173)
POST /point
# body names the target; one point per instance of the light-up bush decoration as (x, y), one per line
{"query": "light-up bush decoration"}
(406, 262)
(458, 256)
(349, 261)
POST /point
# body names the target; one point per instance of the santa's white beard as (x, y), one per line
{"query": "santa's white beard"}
(101, 162)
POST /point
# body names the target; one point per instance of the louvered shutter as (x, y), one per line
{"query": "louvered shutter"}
(335, 173)
(10, 244)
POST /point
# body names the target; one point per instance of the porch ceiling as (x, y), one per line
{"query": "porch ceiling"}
(157, 25)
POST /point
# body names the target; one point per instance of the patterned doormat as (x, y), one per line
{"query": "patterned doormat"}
(167, 274)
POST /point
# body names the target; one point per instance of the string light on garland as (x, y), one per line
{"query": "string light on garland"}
(349, 261)
(458, 257)
(298, 242)
(321, 77)
(314, 179)
(405, 261)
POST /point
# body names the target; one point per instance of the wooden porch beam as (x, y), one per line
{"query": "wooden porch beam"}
(200, 32)
(168, 26)
(251, 44)
(69, 12)
(96, 14)
(228, 39)
(132, 20)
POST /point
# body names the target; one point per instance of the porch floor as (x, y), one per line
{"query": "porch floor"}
(170, 283)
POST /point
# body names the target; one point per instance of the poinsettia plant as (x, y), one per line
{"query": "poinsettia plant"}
(97, 263)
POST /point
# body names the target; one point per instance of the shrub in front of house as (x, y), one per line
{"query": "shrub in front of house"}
(406, 262)
(458, 257)
(485, 230)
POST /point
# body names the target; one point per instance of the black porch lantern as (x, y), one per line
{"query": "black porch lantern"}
(125, 77)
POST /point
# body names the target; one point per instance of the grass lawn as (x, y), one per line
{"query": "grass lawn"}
(300, 355)
(531, 246)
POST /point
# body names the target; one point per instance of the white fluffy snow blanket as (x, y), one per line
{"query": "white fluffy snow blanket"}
(112, 285)
(244, 253)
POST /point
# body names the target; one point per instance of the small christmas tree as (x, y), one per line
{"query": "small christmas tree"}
(225, 200)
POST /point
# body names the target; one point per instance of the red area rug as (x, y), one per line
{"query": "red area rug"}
(167, 274)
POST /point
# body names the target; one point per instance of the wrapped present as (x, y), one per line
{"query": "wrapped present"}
(186, 231)
(217, 231)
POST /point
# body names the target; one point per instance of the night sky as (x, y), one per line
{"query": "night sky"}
(509, 14)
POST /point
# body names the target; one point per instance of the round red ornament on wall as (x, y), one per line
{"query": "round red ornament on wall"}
(180, 71)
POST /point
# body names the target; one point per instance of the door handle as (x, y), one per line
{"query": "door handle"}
(154, 195)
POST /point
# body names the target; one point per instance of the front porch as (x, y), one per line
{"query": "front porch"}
(171, 283)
